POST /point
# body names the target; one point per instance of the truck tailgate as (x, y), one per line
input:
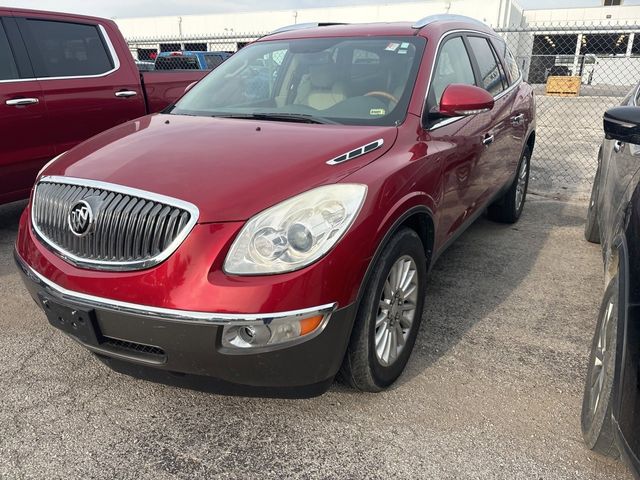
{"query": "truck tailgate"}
(163, 88)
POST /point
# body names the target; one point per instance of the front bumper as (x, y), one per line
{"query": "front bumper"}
(162, 343)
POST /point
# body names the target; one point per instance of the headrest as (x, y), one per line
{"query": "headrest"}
(323, 76)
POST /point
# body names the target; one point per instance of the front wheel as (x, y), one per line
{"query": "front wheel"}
(389, 315)
(508, 208)
(597, 428)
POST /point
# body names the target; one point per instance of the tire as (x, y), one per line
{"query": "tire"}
(368, 365)
(508, 208)
(597, 428)
(591, 228)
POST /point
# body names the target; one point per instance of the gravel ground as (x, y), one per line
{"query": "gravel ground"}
(493, 389)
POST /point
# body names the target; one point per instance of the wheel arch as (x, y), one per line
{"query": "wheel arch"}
(531, 141)
(420, 219)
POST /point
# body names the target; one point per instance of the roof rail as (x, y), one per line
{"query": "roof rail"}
(443, 17)
(302, 26)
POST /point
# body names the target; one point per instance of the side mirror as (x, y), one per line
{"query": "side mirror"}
(463, 100)
(189, 87)
(623, 124)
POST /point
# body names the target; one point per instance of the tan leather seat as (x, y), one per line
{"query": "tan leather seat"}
(320, 88)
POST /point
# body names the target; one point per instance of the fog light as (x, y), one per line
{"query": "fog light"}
(277, 332)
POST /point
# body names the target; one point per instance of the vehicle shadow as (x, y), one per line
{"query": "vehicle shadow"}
(477, 274)
(9, 217)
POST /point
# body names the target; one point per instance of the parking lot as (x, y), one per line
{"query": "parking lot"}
(493, 389)
(569, 136)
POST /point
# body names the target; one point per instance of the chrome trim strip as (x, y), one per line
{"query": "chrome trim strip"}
(433, 65)
(356, 152)
(80, 262)
(169, 314)
(112, 52)
(621, 123)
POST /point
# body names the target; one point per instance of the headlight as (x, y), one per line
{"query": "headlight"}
(296, 232)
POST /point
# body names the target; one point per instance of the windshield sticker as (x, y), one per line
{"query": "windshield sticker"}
(377, 111)
(405, 45)
(392, 47)
(402, 52)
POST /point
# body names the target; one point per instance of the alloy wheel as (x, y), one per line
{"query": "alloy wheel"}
(602, 353)
(522, 182)
(396, 310)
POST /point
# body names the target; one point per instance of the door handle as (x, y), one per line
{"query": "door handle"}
(517, 120)
(17, 102)
(126, 93)
(488, 140)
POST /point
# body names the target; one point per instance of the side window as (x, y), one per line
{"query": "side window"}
(491, 74)
(510, 62)
(453, 66)
(365, 57)
(67, 49)
(213, 61)
(8, 69)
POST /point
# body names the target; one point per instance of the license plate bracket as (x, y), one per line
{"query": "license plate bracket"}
(77, 322)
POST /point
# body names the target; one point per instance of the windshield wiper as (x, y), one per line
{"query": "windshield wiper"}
(277, 116)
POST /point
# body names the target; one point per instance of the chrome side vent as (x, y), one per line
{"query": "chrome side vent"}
(369, 147)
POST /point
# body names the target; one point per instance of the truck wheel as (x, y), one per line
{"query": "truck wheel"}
(591, 228)
(509, 207)
(597, 428)
(389, 315)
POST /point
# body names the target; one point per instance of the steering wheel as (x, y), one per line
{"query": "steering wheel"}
(386, 95)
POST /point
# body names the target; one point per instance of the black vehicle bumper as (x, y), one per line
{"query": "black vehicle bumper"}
(189, 353)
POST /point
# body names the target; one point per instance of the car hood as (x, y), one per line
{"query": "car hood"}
(229, 168)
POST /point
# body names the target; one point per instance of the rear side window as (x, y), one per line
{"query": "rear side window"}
(453, 66)
(213, 61)
(8, 69)
(67, 49)
(177, 63)
(510, 63)
(512, 66)
(491, 74)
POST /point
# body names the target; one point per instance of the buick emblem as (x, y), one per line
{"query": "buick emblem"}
(81, 219)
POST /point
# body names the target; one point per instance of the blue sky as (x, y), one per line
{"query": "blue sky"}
(137, 8)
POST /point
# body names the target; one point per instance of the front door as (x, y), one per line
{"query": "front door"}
(25, 145)
(455, 142)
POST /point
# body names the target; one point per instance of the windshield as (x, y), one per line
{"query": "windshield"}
(353, 81)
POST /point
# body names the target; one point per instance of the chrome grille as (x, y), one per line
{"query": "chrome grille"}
(131, 229)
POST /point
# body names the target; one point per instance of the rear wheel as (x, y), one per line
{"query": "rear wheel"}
(597, 428)
(509, 207)
(389, 315)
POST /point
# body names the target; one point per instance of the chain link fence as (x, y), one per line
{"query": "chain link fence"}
(577, 71)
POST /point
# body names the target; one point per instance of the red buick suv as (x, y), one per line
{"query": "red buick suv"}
(275, 226)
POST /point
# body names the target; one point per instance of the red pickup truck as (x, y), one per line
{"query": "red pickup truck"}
(63, 79)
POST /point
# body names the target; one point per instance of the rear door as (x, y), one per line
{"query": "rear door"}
(87, 87)
(519, 97)
(498, 158)
(25, 144)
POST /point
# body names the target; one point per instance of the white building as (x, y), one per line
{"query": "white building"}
(563, 41)
(498, 13)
